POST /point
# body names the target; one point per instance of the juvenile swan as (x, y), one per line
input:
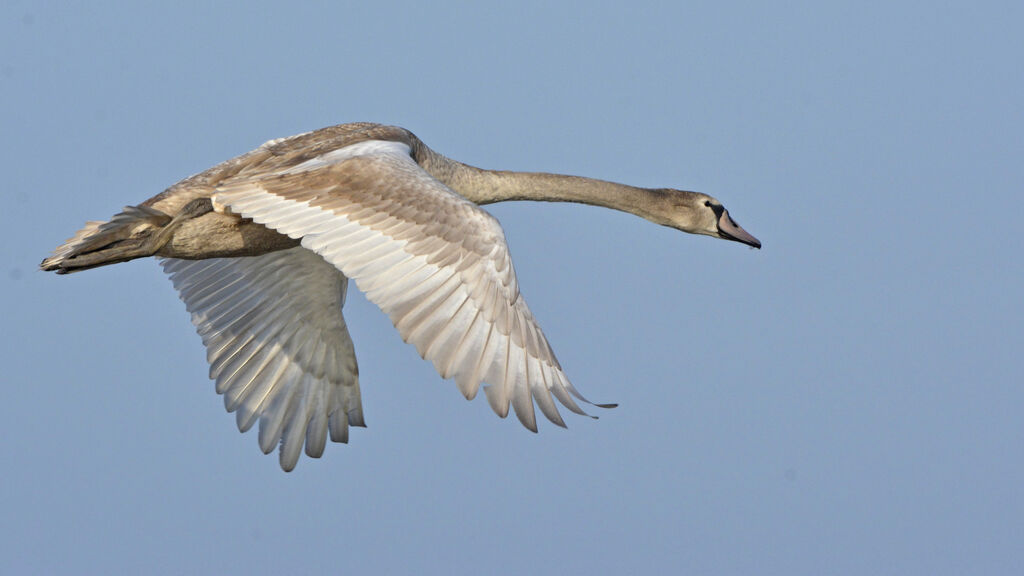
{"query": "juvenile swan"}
(261, 248)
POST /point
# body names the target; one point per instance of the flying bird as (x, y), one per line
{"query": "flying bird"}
(261, 248)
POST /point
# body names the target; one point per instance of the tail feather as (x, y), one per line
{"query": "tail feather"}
(123, 238)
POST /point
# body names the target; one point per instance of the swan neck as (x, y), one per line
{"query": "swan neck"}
(489, 186)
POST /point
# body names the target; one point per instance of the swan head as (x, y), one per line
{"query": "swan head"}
(698, 213)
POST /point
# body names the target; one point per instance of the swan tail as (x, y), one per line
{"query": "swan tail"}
(133, 233)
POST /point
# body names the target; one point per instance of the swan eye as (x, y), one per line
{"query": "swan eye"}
(707, 203)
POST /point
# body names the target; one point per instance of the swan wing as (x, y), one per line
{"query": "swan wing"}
(436, 263)
(277, 344)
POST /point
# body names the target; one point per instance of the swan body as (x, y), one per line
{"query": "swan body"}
(261, 247)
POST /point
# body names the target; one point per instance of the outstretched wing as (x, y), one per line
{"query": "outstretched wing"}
(436, 263)
(277, 345)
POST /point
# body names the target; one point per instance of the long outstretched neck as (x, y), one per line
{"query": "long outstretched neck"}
(489, 186)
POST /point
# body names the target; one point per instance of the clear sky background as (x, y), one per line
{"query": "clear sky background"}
(847, 400)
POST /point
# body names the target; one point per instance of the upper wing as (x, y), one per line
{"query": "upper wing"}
(436, 263)
(277, 345)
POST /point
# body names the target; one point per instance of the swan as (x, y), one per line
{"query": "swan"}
(260, 248)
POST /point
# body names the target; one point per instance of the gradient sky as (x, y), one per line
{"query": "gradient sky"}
(847, 400)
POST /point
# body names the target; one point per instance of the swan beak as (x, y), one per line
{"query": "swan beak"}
(730, 230)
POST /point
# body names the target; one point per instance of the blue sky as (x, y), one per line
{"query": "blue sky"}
(846, 400)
